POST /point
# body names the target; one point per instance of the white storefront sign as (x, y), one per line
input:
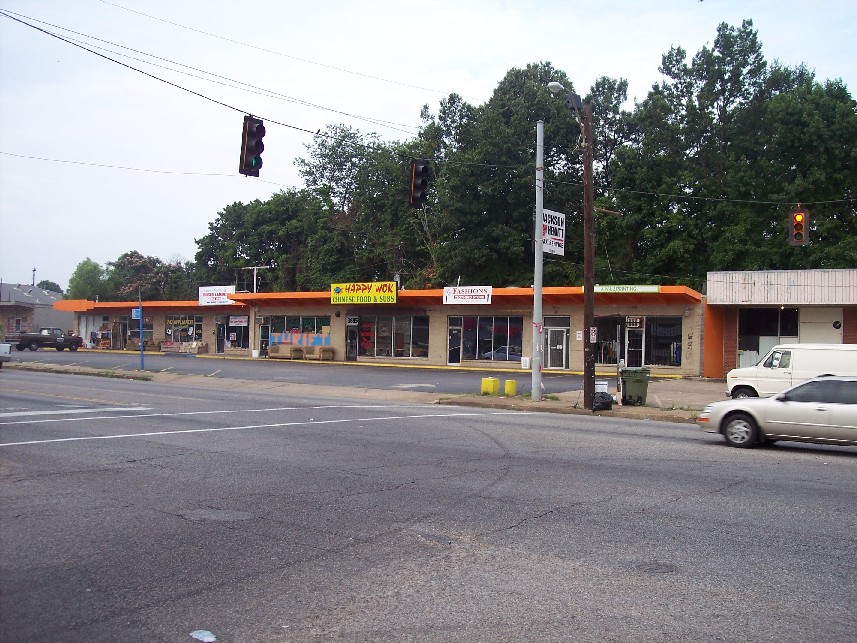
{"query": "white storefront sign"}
(553, 232)
(215, 295)
(467, 295)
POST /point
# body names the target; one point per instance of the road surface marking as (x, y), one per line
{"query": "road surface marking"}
(119, 436)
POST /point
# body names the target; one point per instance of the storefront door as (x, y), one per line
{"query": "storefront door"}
(352, 340)
(634, 342)
(556, 339)
(221, 337)
(454, 345)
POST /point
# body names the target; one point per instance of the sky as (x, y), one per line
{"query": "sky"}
(98, 159)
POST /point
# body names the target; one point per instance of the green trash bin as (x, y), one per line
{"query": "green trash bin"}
(635, 385)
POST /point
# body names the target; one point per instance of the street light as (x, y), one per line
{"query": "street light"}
(538, 319)
(573, 101)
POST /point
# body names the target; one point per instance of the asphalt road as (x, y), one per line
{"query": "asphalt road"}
(139, 511)
(354, 375)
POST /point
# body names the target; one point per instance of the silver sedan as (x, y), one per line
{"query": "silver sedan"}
(822, 410)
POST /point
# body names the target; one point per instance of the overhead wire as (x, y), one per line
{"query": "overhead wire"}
(236, 84)
(274, 52)
(13, 16)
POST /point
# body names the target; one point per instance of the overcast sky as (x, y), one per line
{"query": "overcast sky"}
(97, 159)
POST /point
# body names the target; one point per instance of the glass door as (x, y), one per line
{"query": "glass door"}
(634, 341)
(454, 345)
(556, 339)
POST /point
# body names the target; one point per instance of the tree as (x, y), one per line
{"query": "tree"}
(88, 281)
(44, 284)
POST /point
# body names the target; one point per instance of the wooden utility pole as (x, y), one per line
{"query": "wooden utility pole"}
(588, 263)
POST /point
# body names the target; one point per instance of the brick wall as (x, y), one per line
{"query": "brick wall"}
(849, 325)
(730, 339)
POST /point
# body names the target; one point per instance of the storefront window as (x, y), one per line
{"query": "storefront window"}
(238, 332)
(181, 328)
(663, 341)
(134, 328)
(390, 336)
(608, 347)
(419, 336)
(300, 324)
(494, 338)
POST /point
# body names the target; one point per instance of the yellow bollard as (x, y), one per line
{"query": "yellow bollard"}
(490, 386)
(510, 387)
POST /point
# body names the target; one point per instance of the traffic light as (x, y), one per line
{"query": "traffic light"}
(251, 146)
(799, 227)
(419, 182)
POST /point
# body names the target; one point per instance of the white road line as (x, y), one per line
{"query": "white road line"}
(220, 411)
(15, 414)
(254, 426)
(214, 373)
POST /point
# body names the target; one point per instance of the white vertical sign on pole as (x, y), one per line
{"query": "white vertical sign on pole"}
(553, 232)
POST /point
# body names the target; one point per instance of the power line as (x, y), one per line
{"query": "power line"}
(130, 169)
(236, 84)
(276, 53)
(318, 131)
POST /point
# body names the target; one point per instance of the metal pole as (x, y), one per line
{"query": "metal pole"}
(588, 263)
(537, 269)
(140, 301)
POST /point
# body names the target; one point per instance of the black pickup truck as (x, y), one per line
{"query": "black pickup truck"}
(45, 338)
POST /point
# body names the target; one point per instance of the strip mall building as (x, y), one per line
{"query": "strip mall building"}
(673, 330)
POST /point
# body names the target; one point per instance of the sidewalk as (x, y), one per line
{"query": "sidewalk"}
(667, 400)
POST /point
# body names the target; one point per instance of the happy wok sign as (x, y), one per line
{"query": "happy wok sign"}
(364, 292)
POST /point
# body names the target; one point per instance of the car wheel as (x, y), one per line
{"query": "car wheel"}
(740, 430)
(60, 348)
(73, 347)
(20, 347)
(743, 392)
(34, 346)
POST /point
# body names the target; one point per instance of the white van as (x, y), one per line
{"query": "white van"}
(788, 364)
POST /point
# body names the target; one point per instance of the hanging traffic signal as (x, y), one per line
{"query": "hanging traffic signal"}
(419, 182)
(799, 227)
(251, 146)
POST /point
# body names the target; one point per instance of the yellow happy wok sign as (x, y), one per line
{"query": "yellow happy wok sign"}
(364, 292)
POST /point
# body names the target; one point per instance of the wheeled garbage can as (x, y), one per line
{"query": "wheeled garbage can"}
(635, 385)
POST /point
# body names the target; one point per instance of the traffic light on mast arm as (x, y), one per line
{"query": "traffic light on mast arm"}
(799, 227)
(419, 183)
(251, 146)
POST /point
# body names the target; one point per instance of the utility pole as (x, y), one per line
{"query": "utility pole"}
(588, 263)
(254, 269)
(574, 103)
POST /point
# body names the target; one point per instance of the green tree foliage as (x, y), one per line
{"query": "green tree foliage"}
(88, 281)
(700, 175)
(726, 145)
(44, 284)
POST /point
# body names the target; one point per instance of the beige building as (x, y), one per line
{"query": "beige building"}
(659, 327)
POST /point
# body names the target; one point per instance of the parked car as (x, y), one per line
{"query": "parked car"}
(504, 353)
(787, 364)
(5, 353)
(45, 338)
(822, 410)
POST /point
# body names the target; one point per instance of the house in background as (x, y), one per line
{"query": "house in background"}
(25, 308)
